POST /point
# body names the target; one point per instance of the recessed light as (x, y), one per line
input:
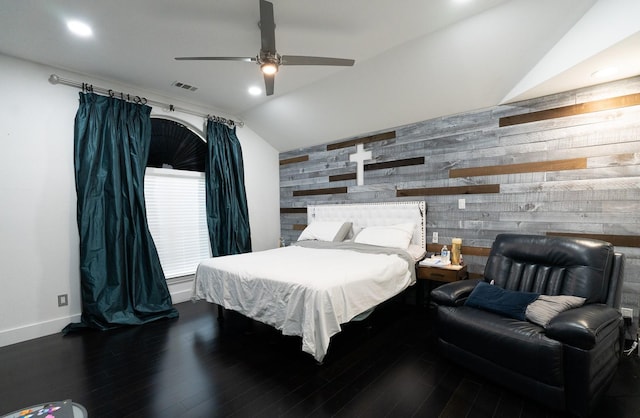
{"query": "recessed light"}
(79, 28)
(255, 91)
(605, 72)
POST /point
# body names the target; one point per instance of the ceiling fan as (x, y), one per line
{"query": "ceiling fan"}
(268, 58)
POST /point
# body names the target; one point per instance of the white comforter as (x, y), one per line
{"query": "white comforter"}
(302, 291)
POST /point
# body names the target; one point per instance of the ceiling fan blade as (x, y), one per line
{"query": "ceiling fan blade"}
(267, 27)
(248, 59)
(304, 60)
(268, 56)
(268, 83)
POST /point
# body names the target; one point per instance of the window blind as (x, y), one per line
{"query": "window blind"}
(176, 214)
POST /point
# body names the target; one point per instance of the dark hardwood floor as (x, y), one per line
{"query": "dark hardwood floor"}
(192, 367)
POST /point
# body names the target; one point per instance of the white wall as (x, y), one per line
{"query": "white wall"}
(39, 253)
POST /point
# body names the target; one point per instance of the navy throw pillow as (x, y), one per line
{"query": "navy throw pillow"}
(501, 301)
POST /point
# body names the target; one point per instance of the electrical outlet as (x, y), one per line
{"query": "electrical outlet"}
(434, 238)
(63, 300)
(626, 312)
(462, 203)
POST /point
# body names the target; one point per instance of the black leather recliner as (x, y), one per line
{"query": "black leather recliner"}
(566, 366)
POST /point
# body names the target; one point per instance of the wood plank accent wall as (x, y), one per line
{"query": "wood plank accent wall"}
(293, 210)
(439, 191)
(396, 163)
(536, 167)
(342, 177)
(575, 171)
(313, 192)
(365, 140)
(572, 110)
(617, 240)
(293, 160)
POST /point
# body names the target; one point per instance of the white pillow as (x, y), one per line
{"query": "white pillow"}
(416, 251)
(353, 232)
(396, 236)
(325, 231)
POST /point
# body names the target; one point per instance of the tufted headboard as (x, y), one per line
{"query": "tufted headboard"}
(375, 214)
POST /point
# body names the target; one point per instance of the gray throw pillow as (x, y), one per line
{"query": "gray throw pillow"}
(542, 310)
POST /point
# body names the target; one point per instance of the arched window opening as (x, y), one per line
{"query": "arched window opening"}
(175, 197)
(175, 146)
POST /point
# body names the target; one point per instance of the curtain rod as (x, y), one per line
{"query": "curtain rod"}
(90, 88)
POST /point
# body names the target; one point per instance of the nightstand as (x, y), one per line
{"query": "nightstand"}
(431, 274)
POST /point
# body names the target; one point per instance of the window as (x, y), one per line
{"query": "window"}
(175, 197)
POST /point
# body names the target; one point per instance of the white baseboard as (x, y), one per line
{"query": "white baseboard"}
(179, 296)
(31, 331)
(180, 289)
(180, 292)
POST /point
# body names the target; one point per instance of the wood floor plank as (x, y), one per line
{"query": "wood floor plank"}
(462, 400)
(486, 402)
(193, 366)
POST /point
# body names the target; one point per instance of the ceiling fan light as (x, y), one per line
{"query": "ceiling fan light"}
(269, 68)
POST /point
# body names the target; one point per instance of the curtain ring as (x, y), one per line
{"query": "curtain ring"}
(111, 93)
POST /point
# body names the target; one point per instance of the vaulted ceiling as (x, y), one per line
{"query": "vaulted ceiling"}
(415, 59)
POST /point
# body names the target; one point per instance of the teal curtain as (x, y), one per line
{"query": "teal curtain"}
(122, 281)
(227, 212)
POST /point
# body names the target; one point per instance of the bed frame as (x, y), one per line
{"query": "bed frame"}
(363, 215)
(375, 214)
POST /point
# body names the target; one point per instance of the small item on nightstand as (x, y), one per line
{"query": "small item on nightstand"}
(445, 255)
(433, 261)
(456, 244)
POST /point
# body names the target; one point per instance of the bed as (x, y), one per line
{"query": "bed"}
(349, 259)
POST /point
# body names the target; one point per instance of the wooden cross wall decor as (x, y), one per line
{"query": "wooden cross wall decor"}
(360, 157)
